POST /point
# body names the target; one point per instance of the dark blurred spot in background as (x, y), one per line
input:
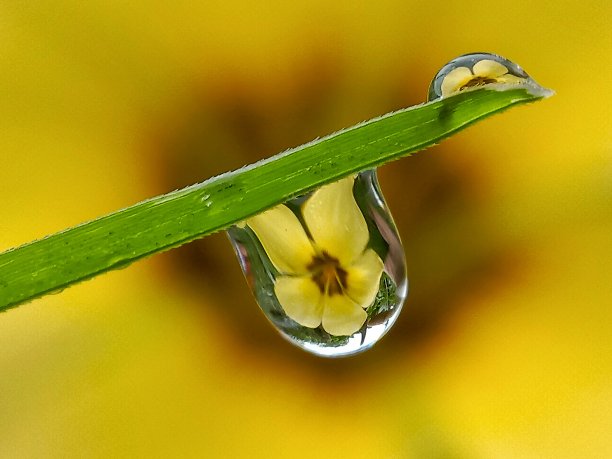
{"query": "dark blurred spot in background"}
(238, 120)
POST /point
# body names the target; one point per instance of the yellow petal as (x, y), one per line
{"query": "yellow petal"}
(335, 222)
(342, 316)
(487, 68)
(284, 240)
(301, 300)
(510, 79)
(455, 80)
(363, 278)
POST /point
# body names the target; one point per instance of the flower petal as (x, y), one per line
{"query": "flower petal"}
(335, 221)
(455, 79)
(488, 68)
(342, 316)
(510, 79)
(363, 278)
(301, 299)
(284, 240)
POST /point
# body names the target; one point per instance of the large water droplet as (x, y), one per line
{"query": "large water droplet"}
(327, 268)
(479, 69)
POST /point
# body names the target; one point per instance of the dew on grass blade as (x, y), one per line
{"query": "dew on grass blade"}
(480, 69)
(327, 268)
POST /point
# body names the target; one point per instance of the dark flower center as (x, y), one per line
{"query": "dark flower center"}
(327, 274)
(478, 81)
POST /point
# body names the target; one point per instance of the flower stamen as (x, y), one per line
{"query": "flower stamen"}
(327, 274)
(478, 81)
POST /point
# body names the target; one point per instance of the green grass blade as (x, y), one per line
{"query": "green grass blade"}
(167, 221)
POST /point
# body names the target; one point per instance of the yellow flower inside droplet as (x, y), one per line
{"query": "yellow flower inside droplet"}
(483, 72)
(329, 278)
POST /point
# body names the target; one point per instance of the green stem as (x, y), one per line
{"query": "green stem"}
(167, 221)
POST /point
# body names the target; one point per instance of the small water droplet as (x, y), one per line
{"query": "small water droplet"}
(478, 69)
(327, 268)
(57, 291)
(205, 197)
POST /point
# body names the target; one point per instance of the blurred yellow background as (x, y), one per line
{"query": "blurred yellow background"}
(504, 346)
